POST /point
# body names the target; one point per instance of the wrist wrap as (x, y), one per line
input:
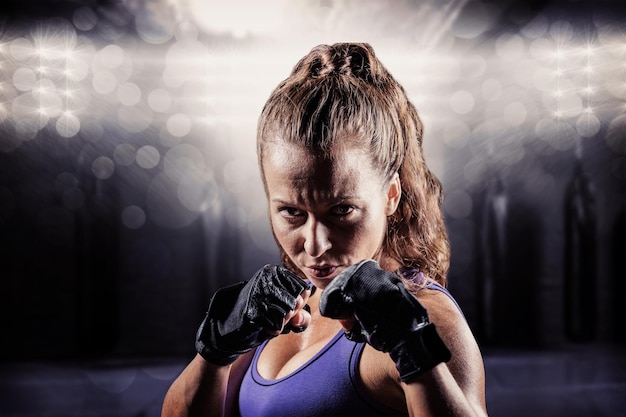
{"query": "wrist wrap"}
(387, 316)
(242, 316)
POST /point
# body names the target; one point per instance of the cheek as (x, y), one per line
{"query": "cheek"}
(284, 234)
(365, 237)
(373, 233)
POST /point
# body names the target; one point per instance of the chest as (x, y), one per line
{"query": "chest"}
(326, 384)
(285, 354)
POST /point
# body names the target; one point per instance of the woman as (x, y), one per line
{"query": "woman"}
(357, 321)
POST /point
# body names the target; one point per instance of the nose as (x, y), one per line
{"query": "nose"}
(316, 238)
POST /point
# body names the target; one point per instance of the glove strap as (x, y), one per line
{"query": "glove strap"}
(207, 334)
(212, 354)
(419, 352)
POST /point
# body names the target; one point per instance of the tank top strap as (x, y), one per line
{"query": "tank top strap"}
(432, 285)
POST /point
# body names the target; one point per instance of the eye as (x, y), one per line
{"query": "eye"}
(290, 212)
(342, 210)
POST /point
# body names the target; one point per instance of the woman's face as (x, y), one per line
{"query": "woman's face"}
(327, 214)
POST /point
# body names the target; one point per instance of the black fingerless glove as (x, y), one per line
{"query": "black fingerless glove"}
(387, 315)
(241, 316)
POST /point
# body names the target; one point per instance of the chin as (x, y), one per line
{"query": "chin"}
(320, 284)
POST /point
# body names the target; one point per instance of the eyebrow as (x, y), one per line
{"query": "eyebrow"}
(278, 200)
(339, 199)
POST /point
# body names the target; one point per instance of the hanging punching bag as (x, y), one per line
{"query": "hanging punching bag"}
(492, 254)
(619, 275)
(580, 259)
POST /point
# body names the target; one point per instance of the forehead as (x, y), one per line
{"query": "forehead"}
(300, 162)
(288, 164)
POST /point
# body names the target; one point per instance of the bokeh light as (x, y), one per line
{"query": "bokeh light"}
(103, 167)
(133, 217)
(148, 157)
(172, 106)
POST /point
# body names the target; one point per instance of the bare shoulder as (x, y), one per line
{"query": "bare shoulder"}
(448, 318)
(466, 364)
(442, 310)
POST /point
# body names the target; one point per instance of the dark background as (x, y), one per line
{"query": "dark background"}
(84, 299)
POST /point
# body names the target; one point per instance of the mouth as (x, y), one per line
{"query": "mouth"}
(321, 272)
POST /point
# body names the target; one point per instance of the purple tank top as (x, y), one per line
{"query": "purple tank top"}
(326, 385)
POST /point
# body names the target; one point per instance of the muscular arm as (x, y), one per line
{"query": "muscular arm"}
(435, 358)
(239, 318)
(199, 390)
(206, 390)
(455, 388)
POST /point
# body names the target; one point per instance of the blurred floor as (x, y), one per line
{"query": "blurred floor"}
(574, 382)
(578, 381)
(111, 388)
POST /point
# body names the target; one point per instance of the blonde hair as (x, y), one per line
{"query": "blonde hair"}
(340, 91)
